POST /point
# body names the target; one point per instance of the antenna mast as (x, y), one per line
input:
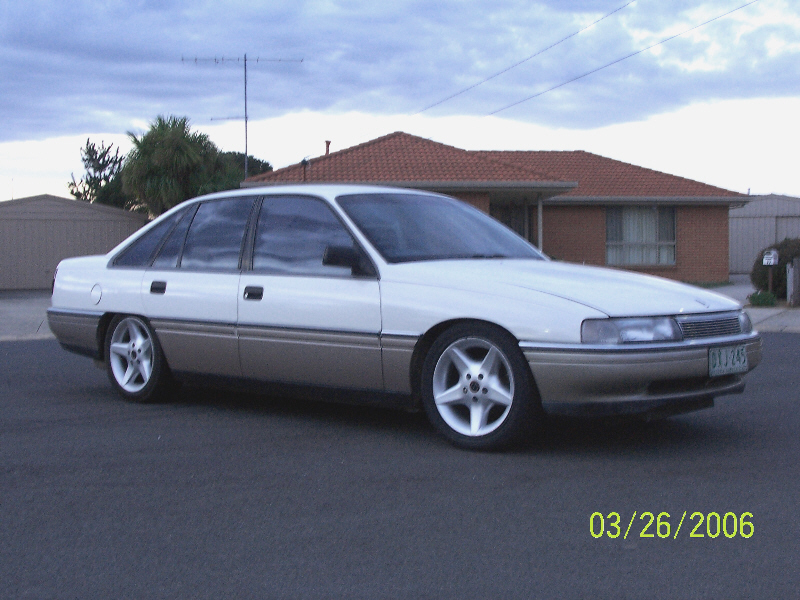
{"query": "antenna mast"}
(244, 61)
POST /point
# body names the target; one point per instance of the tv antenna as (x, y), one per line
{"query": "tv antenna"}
(243, 60)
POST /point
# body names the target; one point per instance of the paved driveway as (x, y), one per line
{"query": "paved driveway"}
(222, 495)
(23, 315)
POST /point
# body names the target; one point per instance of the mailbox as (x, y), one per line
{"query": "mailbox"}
(770, 258)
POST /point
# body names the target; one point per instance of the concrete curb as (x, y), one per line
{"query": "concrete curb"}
(27, 337)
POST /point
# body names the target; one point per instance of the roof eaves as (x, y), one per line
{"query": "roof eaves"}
(738, 200)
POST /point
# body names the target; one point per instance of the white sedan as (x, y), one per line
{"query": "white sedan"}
(404, 297)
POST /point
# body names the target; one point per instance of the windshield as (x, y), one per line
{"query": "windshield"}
(407, 227)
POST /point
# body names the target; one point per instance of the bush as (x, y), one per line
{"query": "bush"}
(762, 299)
(788, 249)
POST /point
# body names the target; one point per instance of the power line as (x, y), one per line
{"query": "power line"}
(244, 60)
(524, 60)
(619, 60)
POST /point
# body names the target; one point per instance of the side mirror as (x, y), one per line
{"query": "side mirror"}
(348, 256)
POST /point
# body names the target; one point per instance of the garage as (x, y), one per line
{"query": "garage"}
(764, 221)
(39, 231)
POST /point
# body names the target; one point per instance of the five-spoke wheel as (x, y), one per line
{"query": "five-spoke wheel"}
(134, 360)
(476, 386)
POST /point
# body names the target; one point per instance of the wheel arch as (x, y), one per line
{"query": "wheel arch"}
(426, 341)
(102, 330)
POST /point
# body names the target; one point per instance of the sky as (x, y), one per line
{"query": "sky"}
(718, 101)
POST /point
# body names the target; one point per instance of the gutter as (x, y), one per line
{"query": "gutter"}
(734, 201)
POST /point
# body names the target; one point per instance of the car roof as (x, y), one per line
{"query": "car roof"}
(325, 190)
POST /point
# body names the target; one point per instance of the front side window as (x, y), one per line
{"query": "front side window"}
(292, 235)
(216, 234)
(640, 235)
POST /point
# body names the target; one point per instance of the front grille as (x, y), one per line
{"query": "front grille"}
(710, 327)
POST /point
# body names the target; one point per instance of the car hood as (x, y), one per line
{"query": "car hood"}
(610, 291)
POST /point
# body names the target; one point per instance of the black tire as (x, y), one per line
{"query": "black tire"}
(134, 360)
(477, 388)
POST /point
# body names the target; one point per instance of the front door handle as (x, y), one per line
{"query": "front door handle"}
(253, 292)
(158, 287)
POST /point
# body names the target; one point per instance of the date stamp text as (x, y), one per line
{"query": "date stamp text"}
(666, 526)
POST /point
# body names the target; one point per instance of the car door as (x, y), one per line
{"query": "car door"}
(302, 321)
(190, 289)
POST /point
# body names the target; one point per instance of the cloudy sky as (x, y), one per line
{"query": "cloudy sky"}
(719, 103)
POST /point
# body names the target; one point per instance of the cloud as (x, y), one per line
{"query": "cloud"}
(105, 66)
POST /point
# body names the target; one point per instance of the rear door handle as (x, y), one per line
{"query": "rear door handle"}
(158, 287)
(253, 292)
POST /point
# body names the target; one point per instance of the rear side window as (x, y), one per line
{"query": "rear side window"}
(140, 252)
(216, 234)
(171, 249)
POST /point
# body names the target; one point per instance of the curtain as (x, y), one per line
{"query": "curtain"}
(640, 235)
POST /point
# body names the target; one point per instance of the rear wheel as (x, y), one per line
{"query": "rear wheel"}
(134, 360)
(477, 388)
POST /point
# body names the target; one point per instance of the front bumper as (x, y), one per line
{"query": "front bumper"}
(595, 381)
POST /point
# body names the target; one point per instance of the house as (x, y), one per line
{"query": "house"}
(576, 206)
(764, 221)
(38, 231)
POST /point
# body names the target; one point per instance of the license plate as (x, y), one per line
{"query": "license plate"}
(727, 360)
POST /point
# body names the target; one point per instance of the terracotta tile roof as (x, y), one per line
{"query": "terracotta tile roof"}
(399, 157)
(600, 176)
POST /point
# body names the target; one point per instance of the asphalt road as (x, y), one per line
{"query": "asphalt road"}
(223, 495)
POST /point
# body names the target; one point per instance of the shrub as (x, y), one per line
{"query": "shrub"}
(788, 249)
(762, 299)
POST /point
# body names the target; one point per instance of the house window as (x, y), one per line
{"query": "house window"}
(640, 235)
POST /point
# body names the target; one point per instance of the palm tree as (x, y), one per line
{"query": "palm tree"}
(168, 165)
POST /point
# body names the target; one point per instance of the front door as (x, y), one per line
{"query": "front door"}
(301, 321)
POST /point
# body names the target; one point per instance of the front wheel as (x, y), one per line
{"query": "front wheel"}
(134, 360)
(477, 387)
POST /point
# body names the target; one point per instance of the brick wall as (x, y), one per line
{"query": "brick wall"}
(477, 200)
(701, 253)
(702, 245)
(578, 234)
(574, 233)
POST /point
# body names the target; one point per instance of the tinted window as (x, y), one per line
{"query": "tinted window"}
(216, 233)
(139, 253)
(171, 249)
(409, 227)
(292, 234)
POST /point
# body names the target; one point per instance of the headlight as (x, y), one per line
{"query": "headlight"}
(633, 330)
(745, 323)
